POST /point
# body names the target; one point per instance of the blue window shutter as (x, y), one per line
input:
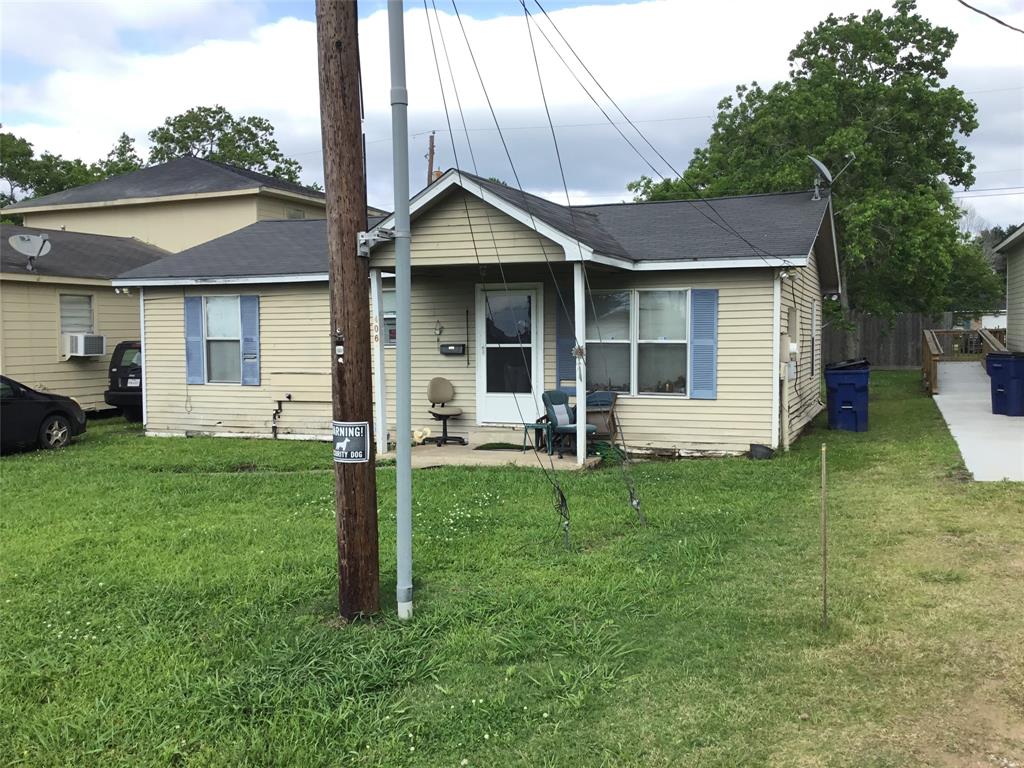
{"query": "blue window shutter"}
(703, 344)
(565, 341)
(250, 309)
(195, 362)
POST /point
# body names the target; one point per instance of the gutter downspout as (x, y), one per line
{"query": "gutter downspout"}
(776, 359)
(142, 345)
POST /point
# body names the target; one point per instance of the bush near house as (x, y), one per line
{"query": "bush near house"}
(171, 602)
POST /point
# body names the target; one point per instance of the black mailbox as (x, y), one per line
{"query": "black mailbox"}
(453, 349)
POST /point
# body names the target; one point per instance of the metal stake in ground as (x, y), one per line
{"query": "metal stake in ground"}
(345, 184)
(824, 537)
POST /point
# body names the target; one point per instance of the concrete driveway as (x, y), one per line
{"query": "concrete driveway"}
(992, 446)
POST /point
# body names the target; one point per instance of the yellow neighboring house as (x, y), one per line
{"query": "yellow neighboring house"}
(174, 205)
(705, 320)
(60, 317)
(1013, 247)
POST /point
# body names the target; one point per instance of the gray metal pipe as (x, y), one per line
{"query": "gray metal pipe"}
(403, 291)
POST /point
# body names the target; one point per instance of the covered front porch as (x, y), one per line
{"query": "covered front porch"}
(502, 335)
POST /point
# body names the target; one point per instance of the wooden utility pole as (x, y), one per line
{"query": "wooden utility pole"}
(354, 471)
(430, 159)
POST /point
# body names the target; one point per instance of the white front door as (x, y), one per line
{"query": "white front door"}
(509, 331)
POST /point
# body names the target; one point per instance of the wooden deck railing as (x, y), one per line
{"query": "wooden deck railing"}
(931, 354)
(956, 344)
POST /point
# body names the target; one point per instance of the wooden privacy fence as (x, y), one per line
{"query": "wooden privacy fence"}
(885, 345)
(955, 345)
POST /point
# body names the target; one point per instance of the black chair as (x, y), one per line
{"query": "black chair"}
(563, 421)
(440, 392)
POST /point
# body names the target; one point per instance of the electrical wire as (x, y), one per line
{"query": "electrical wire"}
(634, 497)
(722, 223)
(561, 502)
(996, 19)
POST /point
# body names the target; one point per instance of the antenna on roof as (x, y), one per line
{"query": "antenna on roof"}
(825, 175)
(32, 246)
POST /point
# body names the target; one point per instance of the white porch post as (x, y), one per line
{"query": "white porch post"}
(380, 391)
(579, 299)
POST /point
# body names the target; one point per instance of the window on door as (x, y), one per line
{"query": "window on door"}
(223, 340)
(509, 340)
(76, 313)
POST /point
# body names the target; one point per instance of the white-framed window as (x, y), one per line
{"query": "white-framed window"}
(388, 324)
(609, 346)
(638, 341)
(76, 314)
(222, 335)
(662, 342)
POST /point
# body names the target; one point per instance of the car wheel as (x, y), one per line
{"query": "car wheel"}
(55, 432)
(133, 414)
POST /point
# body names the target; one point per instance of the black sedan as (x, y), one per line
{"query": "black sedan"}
(28, 417)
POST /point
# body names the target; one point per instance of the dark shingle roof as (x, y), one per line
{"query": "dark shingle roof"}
(276, 247)
(74, 254)
(182, 176)
(578, 223)
(779, 224)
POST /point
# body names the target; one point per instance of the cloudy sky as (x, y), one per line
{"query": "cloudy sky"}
(76, 74)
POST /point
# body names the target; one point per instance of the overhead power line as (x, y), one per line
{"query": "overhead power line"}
(987, 15)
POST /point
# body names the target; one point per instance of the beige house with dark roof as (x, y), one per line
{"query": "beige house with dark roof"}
(710, 337)
(1013, 247)
(67, 293)
(174, 205)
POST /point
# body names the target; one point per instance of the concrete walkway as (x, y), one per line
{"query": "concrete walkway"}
(992, 446)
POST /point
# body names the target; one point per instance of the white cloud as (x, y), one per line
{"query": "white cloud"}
(661, 59)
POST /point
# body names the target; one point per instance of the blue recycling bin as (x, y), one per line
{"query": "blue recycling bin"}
(847, 385)
(1006, 375)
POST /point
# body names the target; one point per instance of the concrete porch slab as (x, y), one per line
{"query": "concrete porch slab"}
(429, 455)
(992, 446)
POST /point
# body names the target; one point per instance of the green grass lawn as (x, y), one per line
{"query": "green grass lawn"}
(171, 602)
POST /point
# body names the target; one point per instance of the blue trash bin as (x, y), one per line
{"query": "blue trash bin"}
(847, 385)
(1006, 374)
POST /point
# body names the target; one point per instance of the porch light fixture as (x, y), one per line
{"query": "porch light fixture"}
(438, 328)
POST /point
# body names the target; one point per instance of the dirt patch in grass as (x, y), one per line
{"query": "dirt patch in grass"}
(981, 730)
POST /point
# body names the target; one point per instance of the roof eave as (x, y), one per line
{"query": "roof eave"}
(302, 277)
(1010, 240)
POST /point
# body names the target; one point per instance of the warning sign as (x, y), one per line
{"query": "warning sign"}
(351, 441)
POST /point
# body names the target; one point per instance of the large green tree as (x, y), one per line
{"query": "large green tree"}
(122, 158)
(215, 134)
(872, 87)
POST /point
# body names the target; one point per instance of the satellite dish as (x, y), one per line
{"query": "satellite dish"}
(32, 246)
(824, 172)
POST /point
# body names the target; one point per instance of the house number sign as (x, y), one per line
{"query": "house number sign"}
(351, 441)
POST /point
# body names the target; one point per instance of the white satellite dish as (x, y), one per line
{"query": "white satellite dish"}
(824, 172)
(32, 246)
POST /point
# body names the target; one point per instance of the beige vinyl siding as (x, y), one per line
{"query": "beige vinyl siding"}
(742, 412)
(268, 207)
(31, 345)
(173, 226)
(803, 392)
(294, 358)
(294, 323)
(444, 235)
(1015, 300)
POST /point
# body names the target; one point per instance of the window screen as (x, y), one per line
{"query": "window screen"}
(76, 314)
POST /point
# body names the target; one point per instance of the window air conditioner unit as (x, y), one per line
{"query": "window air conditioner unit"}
(84, 345)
